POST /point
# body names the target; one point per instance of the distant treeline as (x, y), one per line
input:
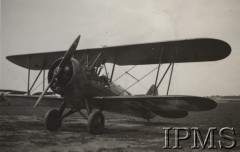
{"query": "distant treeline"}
(225, 97)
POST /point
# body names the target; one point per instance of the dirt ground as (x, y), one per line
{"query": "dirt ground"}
(23, 129)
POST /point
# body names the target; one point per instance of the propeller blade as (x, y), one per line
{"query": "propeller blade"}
(68, 55)
(43, 93)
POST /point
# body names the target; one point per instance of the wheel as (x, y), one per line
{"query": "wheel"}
(96, 123)
(51, 120)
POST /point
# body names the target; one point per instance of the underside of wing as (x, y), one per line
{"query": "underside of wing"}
(193, 50)
(12, 91)
(166, 106)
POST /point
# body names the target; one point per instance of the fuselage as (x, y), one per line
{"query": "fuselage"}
(78, 82)
(107, 88)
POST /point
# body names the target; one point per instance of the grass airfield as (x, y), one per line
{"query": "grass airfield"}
(22, 129)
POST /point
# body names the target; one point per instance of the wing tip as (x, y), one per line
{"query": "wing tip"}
(222, 47)
(212, 104)
(207, 104)
(226, 49)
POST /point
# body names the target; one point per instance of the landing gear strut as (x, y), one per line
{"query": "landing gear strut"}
(95, 124)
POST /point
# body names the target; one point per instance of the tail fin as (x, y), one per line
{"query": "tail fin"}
(151, 90)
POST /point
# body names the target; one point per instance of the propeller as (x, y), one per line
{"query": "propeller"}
(67, 57)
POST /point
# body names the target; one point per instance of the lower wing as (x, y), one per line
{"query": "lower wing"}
(29, 100)
(166, 106)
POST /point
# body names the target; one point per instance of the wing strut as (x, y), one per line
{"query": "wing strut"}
(170, 78)
(83, 57)
(159, 64)
(30, 89)
(29, 74)
(86, 63)
(97, 58)
(105, 69)
(113, 68)
(43, 79)
(171, 64)
(35, 81)
(163, 75)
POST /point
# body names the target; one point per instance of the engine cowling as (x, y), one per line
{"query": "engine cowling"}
(71, 76)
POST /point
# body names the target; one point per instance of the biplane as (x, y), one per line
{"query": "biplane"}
(75, 76)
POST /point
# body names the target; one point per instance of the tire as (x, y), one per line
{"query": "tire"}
(96, 123)
(51, 120)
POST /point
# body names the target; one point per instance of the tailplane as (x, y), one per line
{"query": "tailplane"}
(151, 90)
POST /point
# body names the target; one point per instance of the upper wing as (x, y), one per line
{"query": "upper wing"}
(194, 50)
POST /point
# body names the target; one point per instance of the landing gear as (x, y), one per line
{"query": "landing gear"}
(52, 121)
(96, 123)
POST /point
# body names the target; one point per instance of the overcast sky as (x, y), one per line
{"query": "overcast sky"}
(30, 26)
